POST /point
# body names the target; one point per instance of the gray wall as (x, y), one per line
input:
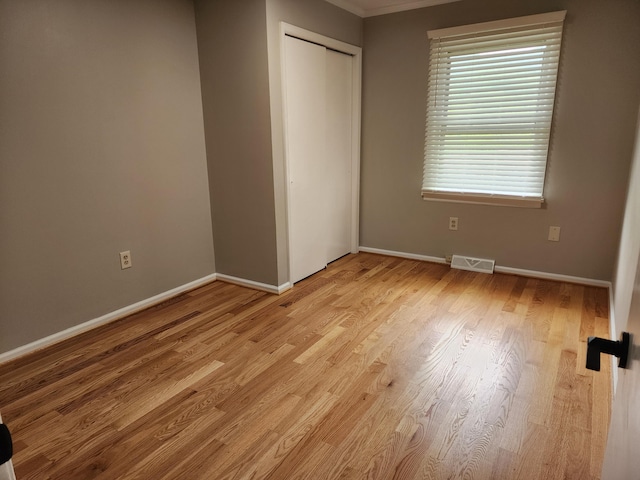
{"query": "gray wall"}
(101, 150)
(235, 91)
(241, 92)
(592, 141)
(320, 17)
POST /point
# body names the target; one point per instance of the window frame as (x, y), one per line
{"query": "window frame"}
(517, 25)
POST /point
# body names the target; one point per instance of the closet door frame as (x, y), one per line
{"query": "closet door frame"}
(356, 77)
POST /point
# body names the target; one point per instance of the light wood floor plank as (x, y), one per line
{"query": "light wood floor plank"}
(375, 368)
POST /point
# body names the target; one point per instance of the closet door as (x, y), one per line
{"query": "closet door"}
(305, 100)
(338, 154)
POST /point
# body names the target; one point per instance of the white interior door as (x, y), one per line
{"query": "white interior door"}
(305, 100)
(338, 153)
(622, 461)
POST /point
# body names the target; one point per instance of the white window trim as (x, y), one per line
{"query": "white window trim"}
(527, 21)
(480, 199)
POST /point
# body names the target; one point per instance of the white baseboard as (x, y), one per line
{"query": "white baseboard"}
(136, 307)
(410, 256)
(255, 285)
(109, 317)
(513, 271)
(590, 282)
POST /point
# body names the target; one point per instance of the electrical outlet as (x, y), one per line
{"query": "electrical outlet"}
(453, 223)
(125, 260)
(448, 258)
(554, 234)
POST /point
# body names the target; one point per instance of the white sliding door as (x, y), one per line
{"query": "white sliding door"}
(338, 154)
(318, 111)
(305, 99)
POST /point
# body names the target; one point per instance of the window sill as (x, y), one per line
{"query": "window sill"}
(480, 199)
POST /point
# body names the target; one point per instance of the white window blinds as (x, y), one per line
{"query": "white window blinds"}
(490, 101)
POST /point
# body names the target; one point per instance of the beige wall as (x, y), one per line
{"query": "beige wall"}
(592, 141)
(235, 91)
(101, 150)
(320, 17)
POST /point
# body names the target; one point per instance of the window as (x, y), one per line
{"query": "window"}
(490, 102)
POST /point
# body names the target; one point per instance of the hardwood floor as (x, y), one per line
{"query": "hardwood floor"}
(375, 368)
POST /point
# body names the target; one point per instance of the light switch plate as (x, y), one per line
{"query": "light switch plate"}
(554, 234)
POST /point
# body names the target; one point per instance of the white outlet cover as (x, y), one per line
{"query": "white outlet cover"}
(125, 260)
(554, 234)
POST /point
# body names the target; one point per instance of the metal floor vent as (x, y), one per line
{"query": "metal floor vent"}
(472, 264)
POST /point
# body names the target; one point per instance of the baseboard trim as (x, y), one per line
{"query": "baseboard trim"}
(510, 270)
(590, 282)
(264, 287)
(96, 322)
(410, 256)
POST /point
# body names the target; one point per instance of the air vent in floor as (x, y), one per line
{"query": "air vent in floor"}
(472, 264)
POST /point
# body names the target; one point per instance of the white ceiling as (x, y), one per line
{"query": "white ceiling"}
(370, 8)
